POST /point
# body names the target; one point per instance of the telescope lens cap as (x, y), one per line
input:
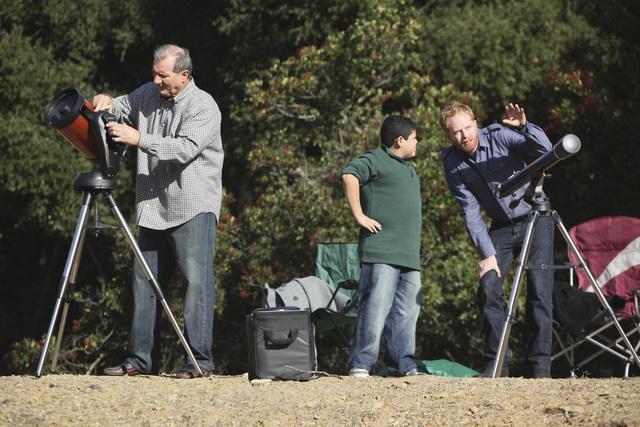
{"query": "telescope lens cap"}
(571, 144)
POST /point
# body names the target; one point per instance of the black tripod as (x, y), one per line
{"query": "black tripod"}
(93, 184)
(541, 206)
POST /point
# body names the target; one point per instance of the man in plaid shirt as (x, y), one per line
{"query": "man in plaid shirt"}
(176, 129)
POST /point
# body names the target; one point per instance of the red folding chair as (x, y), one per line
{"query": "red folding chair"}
(610, 247)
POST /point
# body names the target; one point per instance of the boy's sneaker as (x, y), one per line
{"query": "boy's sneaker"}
(413, 372)
(358, 373)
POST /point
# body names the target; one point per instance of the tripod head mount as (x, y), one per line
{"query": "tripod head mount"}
(536, 196)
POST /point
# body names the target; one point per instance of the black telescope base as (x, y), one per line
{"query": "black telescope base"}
(543, 208)
(93, 184)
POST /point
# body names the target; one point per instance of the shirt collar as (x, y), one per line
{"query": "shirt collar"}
(390, 154)
(483, 141)
(185, 92)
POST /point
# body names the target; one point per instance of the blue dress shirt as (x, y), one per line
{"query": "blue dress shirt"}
(473, 179)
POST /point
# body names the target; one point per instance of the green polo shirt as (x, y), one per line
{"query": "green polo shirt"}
(390, 194)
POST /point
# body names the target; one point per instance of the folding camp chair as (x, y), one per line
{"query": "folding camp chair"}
(611, 249)
(338, 265)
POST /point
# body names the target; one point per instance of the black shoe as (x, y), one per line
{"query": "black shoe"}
(489, 370)
(122, 370)
(189, 374)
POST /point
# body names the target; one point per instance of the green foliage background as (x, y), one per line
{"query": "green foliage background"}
(303, 87)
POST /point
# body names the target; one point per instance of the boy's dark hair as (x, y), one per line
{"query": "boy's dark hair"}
(395, 126)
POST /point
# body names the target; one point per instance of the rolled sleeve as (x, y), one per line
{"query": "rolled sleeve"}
(121, 108)
(362, 168)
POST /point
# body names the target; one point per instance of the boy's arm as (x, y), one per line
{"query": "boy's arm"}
(351, 186)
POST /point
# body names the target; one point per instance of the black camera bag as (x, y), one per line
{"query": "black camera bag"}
(281, 344)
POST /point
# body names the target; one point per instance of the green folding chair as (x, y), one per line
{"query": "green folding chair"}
(338, 265)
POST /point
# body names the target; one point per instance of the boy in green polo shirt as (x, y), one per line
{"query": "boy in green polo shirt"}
(383, 192)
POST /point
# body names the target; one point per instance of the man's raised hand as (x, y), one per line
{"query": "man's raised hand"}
(514, 116)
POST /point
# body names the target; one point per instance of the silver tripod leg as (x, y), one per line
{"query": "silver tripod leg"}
(147, 271)
(68, 274)
(515, 293)
(63, 321)
(594, 286)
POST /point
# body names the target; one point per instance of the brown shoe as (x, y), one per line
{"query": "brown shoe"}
(187, 375)
(119, 371)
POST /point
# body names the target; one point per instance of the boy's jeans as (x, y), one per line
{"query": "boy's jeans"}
(389, 305)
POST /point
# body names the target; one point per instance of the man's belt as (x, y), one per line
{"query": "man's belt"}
(510, 221)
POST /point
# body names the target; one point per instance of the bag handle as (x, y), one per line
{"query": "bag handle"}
(280, 342)
(273, 309)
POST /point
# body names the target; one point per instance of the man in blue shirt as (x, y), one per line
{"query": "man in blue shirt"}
(477, 161)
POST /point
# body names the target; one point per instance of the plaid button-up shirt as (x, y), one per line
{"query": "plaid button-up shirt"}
(180, 155)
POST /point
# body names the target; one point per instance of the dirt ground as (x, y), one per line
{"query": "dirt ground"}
(234, 400)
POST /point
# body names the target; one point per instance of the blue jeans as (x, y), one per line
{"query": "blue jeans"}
(507, 241)
(191, 247)
(389, 305)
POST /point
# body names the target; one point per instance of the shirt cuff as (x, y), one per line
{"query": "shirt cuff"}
(145, 142)
(486, 249)
(349, 170)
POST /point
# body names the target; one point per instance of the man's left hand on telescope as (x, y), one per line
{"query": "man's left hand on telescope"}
(118, 132)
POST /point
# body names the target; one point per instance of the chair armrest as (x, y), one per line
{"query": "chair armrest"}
(349, 284)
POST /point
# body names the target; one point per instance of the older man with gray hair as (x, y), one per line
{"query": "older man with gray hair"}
(175, 127)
